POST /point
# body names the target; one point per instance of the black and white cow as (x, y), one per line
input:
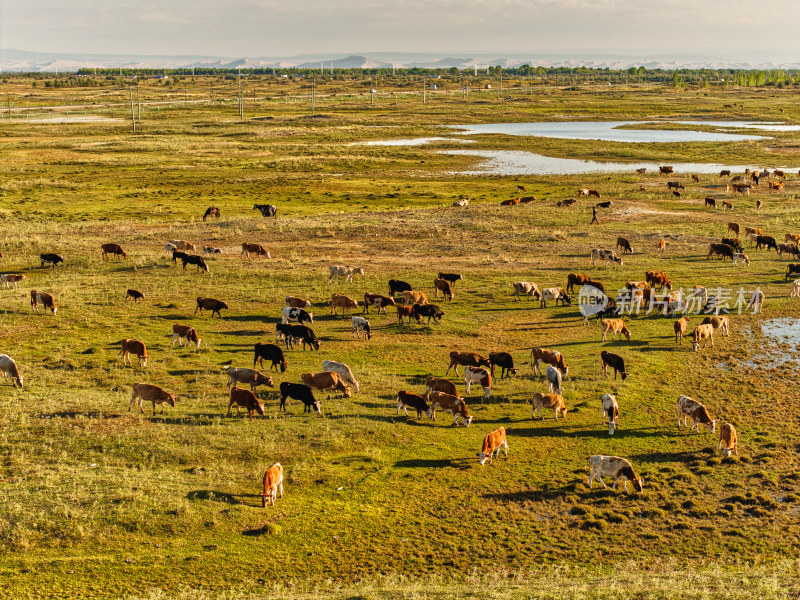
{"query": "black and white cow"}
(267, 210)
(298, 315)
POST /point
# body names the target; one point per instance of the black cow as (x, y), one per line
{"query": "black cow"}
(267, 210)
(284, 330)
(398, 287)
(605, 204)
(272, 353)
(211, 211)
(503, 360)
(615, 361)
(793, 268)
(427, 310)
(766, 241)
(178, 255)
(54, 259)
(301, 392)
(197, 260)
(733, 243)
(451, 277)
(304, 334)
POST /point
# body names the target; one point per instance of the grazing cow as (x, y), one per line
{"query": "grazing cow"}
(256, 249)
(211, 250)
(779, 173)
(741, 257)
(467, 359)
(442, 285)
(342, 369)
(712, 202)
(481, 376)
(583, 192)
(361, 325)
(722, 250)
(758, 205)
(53, 259)
(146, 392)
(378, 301)
(211, 211)
(521, 188)
(662, 245)
(725, 173)
(615, 361)
(675, 185)
(665, 170)
(554, 379)
(750, 233)
(326, 380)
(196, 260)
(659, 279)
(43, 298)
(734, 228)
(439, 384)
(343, 302)
(296, 315)
(491, 444)
(266, 210)
(790, 249)
(741, 188)
(718, 323)
(503, 360)
(428, 310)
(694, 410)
(252, 377)
(606, 255)
(775, 185)
(247, 400)
(185, 332)
(567, 202)
(527, 288)
(299, 391)
(463, 202)
(550, 357)
(406, 399)
(728, 440)
(273, 481)
(642, 170)
(616, 327)
(136, 347)
(605, 204)
(451, 277)
(554, 401)
(793, 269)
(210, 304)
(680, 326)
(135, 295)
(283, 331)
(594, 193)
(337, 271)
(398, 287)
(616, 467)
(9, 369)
(296, 302)
(792, 238)
(452, 404)
(113, 249)
(766, 241)
(702, 333)
(272, 353)
(727, 204)
(610, 411)
(695, 179)
(183, 245)
(624, 245)
(756, 302)
(557, 294)
(511, 202)
(304, 334)
(528, 199)
(177, 254)
(676, 194)
(405, 311)
(8, 278)
(737, 179)
(573, 279)
(733, 243)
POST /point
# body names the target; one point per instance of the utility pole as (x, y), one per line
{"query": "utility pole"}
(241, 100)
(133, 116)
(138, 104)
(313, 95)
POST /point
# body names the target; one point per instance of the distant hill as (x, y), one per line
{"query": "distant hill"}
(12, 60)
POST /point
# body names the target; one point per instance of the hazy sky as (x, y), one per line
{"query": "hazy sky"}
(235, 28)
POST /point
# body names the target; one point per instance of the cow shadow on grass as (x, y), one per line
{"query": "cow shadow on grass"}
(533, 495)
(434, 463)
(670, 457)
(576, 431)
(248, 318)
(243, 332)
(225, 498)
(191, 371)
(72, 414)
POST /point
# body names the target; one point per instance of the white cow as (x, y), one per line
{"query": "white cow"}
(360, 324)
(616, 467)
(557, 294)
(342, 369)
(481, 376)
(337, 271)
(607, 255)
(610, 411)
(553, 377)
(526, 288)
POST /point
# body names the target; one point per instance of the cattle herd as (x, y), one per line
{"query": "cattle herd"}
(441, 394)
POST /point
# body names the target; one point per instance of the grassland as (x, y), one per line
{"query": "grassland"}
(101, 502)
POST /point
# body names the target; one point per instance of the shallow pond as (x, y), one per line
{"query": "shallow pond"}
(780, 343)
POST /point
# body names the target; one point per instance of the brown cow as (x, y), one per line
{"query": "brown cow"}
(297, 302)
(136, 295)
(273, 481)
(378, 301)
(574, 279)
(415, 401)
(210, 304)
(256, 249)
(711, 202)
(326, 380)
(728, 440)
(343, 302)
(702, 333)
(136, 347)
(151, 393)
(43, 298)
(554, 401)
(680, 326)
(438, 384)
(734, 228)
(405, 311)
(442, 285)
(452, 404)
(616, 327)
(512, 202)
(551, 357)
(253, 377)
(114, 249)
(624, 245)
(467, 359)
(185, 332)
(412, 297)
(246, 399)
(15, 278)
(688, 408)
(491, 443)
